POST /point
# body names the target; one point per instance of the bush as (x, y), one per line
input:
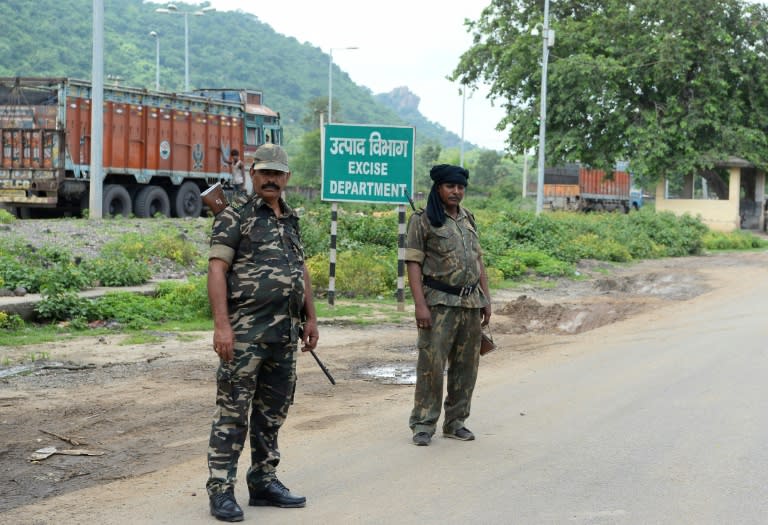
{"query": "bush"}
(14, 274)
(117, 271)
(364, 273)
(516, 263)
(166, 243)
(315, 232)
(732, 241)
(569, 237)
(134, 310)
(184, 300)
(495, 276)
(594, 247)
(63, 305)
(10, 321)
(6, 217)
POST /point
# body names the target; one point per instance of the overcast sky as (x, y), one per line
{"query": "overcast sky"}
(414, 43)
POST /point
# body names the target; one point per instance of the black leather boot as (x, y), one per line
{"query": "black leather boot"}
(277, 495)
(224, 507)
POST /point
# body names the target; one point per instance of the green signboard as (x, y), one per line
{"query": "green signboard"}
(364, 163)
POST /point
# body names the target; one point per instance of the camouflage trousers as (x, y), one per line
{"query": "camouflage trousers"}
(453, 339)
(262, 378)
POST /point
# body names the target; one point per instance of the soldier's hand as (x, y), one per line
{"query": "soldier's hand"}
(423, 317)
(311, 335)
(224, 343)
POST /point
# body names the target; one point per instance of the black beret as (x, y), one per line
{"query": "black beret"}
(448, 173)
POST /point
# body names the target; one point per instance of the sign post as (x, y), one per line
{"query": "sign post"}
(366, 163)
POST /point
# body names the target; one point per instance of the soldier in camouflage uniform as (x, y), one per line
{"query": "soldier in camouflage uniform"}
(261, 298)
(450, 292)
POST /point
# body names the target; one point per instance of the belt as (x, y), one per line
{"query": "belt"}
(461, 291)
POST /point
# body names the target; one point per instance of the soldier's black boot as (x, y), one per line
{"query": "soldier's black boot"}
(275, 494)
(224, 507)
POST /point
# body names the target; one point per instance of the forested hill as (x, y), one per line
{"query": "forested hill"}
(52, 38)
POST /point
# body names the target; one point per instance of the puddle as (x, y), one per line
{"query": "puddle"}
(399, 374)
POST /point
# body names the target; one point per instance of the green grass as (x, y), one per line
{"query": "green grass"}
(32, 334)
(141, 338)
(363, 312)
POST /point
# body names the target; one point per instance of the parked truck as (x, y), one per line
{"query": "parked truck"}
(160, 149)
(576, 187)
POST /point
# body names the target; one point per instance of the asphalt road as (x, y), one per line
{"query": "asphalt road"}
(661, 419)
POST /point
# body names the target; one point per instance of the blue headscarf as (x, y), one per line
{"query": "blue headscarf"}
(440, 174)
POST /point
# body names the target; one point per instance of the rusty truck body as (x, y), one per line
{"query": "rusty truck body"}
(160, 149)
(576, 187)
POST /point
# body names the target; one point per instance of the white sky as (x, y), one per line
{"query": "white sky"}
(413, 43)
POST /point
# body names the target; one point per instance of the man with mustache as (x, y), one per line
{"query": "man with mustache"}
(452, 302)
(261, 299)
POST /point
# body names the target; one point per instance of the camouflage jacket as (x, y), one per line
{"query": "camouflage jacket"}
(450, 254)
(265, 282)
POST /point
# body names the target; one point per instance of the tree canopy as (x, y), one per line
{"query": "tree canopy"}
(670, 86)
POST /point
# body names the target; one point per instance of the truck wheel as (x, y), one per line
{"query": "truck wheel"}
(115, 201)
(150, 201)
(186, 201)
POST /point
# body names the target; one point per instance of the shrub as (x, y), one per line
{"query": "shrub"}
(510, 266)
(495, 276)
(10, 321)
(315, 232)
(6, 217)
(134, 310)
(117, 271)
(519, 262)
(167, 243)
(184, 300)
(360, 273)
(15, 274)
(737, 240)
(63, 305)
(64, 276)
(592, 246)
(173, 301)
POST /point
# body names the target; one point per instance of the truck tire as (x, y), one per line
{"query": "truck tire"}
(115, 201)
(150, 201)
(186, 201)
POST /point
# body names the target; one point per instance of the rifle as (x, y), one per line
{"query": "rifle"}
(215, 199)
(319, 363)
(413, 206)
(323, 368)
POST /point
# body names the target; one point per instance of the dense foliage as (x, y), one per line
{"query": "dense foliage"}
(670, 86)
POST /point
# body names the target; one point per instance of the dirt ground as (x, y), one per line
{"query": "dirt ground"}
(113, 411)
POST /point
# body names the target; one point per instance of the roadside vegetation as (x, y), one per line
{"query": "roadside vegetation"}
(518, 245)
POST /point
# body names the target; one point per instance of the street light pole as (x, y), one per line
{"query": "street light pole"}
(172, 9)
(186, 51)
(154, 35)
(548, 41)
(330, 79)
(463, 106)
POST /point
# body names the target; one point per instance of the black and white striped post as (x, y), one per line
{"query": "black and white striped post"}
(401, 257)
(332, 256)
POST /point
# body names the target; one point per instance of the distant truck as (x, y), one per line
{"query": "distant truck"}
(576, 187)
(160, 150)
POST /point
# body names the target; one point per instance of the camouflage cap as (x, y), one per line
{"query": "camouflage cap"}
(270, 157)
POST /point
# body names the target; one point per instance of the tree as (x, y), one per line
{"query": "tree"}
(486, 172)
(315, 107)
(305, 166)
(671, 86)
